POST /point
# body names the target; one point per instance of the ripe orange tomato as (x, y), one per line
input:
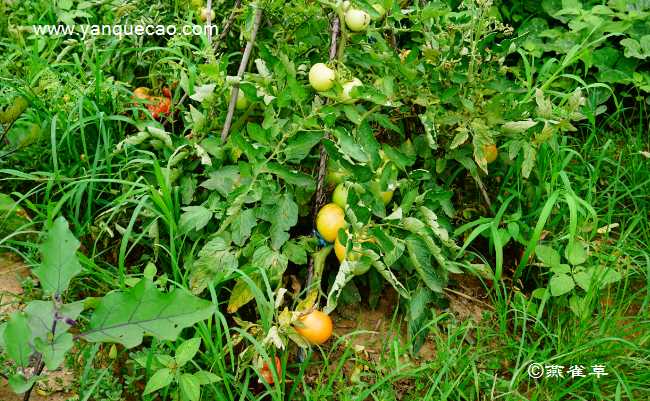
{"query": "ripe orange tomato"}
(266, 373)
(329, 221)
(342, 254)
(141, 92)
(316, 327)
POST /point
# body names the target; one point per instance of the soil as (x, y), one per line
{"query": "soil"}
(12, 272)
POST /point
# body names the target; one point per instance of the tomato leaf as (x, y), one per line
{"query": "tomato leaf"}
(194, 218)
(216, 259)
(242, 226)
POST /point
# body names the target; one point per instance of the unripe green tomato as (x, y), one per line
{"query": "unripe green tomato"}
(340, 195)
(242, 101)
(357, 20)
(347, 89)
(386, 196)
(321, 77)
(335, 177)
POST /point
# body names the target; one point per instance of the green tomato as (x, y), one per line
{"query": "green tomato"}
(357, 20)
(385, 196)
(335, 174)
(347, 89)
(321, 77)
(340, 195)
(242, 101)
(204, 14)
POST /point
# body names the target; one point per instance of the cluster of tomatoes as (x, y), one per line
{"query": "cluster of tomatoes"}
(159, 106)
(321, 77)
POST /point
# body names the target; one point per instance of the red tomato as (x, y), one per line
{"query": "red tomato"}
(266, 373)
(159, 106)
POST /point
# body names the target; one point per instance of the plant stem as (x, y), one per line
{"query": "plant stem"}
(322, 163)
(240, 74)
(227, 25)
(208, 21)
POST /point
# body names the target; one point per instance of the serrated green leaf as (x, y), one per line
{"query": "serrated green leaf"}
(530, 155)
(390, 277)
(194, 218)
(295, 253)
(59, 262)
(418, 315)
(431, 134)
(273, 262)
(291, 177)
(517, 127)
(393, 255)
(242, 225)
(459, 139)
(349, 148)
(126, 316)
(401, 160)
(300, 145)
(421, 261)
(216, 259)
(204, 377)
(160, 379)
(283, 217)
(186, 351)
(223, 180)
(547, 255)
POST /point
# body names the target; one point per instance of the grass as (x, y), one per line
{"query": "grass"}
(596, 178)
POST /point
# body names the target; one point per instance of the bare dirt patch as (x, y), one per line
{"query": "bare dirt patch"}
(12, 272)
